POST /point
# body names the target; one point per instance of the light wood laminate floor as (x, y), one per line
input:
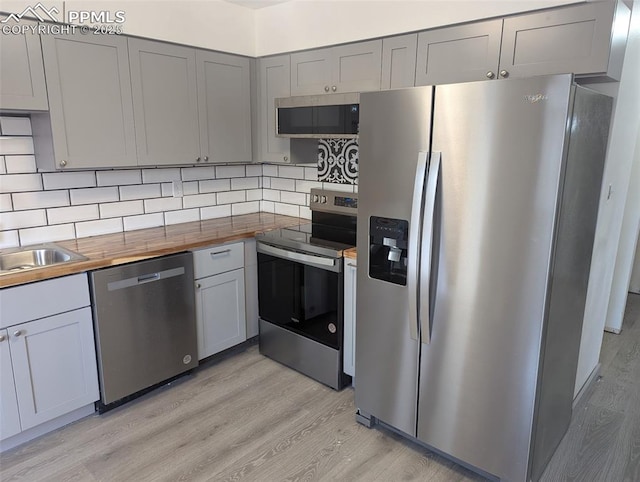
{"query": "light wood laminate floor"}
(248, 418)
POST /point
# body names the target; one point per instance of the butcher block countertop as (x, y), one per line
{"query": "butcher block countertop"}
(120, 248)
(350, 253)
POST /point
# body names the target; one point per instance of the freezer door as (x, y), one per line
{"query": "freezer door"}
(501, 145)
(394, 143)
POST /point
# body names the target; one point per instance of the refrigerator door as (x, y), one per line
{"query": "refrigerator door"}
(394, 142)
(502, 145)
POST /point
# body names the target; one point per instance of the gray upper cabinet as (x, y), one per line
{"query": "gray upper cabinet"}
(224, 105)
(90, 101)
(273, 82)
(165, 105)
(346, 68)
(587, 39)
(458, 54)
(399, 61)
(22, 85)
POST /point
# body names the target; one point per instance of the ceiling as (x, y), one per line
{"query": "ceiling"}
(256, 4)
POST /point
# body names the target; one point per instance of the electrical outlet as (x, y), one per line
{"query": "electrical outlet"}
(177, 189)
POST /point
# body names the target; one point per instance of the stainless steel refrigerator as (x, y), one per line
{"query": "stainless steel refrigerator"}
(477, 213)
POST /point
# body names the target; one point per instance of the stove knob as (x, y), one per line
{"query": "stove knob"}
(323, 199)
(315, 198)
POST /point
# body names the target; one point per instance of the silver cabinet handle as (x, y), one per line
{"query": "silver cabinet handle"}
(285, 158)
(2, 338)
(215, 253)
(504, 73)
(63, 163)
(198, 159)
(326, 88)
(490, 75)
(198, 285)
(334, 88)
(206, 158)
(17, 333)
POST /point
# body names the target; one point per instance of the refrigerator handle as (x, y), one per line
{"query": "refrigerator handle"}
(427, 247)
(413, 251)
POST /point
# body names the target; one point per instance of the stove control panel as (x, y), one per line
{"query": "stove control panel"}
(334, 201)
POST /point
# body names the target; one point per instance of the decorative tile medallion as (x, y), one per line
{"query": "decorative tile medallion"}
(338, 161)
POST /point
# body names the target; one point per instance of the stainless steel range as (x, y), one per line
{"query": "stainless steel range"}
(300, 288)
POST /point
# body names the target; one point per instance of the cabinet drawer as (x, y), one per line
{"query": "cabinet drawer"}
(218, 259)
(44, 298)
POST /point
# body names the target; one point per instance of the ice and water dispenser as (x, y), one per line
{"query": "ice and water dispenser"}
(388, 239)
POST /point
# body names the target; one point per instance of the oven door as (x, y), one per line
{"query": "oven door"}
(301, 292)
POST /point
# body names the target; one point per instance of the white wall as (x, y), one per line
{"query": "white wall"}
(618, 174)
(304, 24)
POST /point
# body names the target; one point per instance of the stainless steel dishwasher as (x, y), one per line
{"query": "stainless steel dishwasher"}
(145, 325)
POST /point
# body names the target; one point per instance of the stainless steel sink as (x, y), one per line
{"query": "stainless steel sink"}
(38, 256)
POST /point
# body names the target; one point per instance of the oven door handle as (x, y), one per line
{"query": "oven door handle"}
(330, 264)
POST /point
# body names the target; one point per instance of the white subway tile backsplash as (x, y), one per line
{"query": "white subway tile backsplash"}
(306, 186)
(199, 200)
(159, 205)
(266, 182)
(253, 170)
(287, 209)
(96, 228)
(150, 176)
(22, 219)
(292, 172)
(20, 164)
(72, 214)
(3, 168)
(283, 184)
(254, 195)
(15, 126)
(119, 178)
(337, 187)
(69, 180)
(144, 221)
(270, 170)
(311, 173)
(271, 195)
(217, 185)
(245, 208)
(40, 199)
(305, 212)
(47, 234)
(16, 145)
(20, 182)
(166, 189)
(94, 195)
(121, 209)
(9, 239)
(198, 173)
(183, 216)
(190, 188)
(229, 171)
(293, 198)
(141, 191)
(245, 183)
(5, 203)
(267, 206)
(214, 212)
(231, 197)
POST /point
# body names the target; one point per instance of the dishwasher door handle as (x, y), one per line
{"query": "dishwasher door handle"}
(144, 278)
(148, 277)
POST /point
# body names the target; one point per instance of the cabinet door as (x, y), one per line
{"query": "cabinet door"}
(9, 415)
(311, 72)
(220, 312)
(566, 40)
(458, 54)
(165, 106)
(274, 81)
(90, 101)
(357, 67)
(22, 84)
(224, 100)
(54, 365)
(349, 352)
(399, 61)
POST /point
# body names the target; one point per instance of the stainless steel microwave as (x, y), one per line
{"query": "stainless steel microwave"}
(318, 116)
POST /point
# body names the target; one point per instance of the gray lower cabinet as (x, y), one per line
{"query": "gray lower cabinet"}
(22, 84)
(273, 81)
(458, 54)
(399, 61)
(47, 352)
(587, 39)
(346, 68)
(220, 298)
(90, 100)
(224, 102)
(165, 102)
